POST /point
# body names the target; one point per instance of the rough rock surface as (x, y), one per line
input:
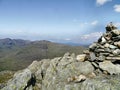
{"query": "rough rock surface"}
(109, 67)
(54, 75)
(97, 69)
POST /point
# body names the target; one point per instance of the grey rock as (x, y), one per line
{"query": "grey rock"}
(112, 47)
(86, 52)
(109, 67)
(101, 58)
(116, 38)
(50, 75)
(108, 36)
(19, 81)
(92, 47)
(104, 54)
(116, 52)
(110, 27)
(116, 32)
(99, 50)
(92, 56)
(103, 40)
(107, 50)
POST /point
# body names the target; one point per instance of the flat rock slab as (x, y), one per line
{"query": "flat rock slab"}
(113, 58)
(110, 67)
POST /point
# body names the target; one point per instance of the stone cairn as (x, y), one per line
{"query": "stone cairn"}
(107, 47)
(105, 53)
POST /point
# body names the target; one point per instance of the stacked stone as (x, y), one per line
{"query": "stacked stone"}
(105, 53)
(107, 47)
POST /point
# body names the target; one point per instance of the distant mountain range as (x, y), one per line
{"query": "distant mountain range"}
(16, 54)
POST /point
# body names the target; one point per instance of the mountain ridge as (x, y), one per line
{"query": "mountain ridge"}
(17, 53)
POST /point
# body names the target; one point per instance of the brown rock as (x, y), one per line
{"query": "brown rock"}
(81, 57)
(77, 79)
(92, 75)
(106, 45)
(116, 32)
(117, 44)
(113, 58)
(86, 52)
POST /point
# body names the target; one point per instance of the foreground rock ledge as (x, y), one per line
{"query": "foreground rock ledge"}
(55, 74)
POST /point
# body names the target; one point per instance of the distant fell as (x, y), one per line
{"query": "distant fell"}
(16, 54)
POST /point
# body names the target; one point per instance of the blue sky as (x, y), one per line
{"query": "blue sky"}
(78, 21)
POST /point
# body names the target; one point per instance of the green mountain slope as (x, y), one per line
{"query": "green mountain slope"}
(18, 56)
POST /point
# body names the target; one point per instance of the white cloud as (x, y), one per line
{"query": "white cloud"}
(102, 2)
(117, 8)
(94, 23)
(67, 39)
(83, 24)
(91, 36)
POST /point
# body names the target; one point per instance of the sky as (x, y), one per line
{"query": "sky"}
(77, 21)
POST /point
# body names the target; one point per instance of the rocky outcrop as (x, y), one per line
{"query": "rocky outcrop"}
(96, 69)
(51, 74)
(62, 73)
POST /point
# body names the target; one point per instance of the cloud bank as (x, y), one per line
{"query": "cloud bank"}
(102, 2)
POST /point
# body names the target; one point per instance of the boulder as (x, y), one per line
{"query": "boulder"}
(81, 57)
(115, 32)
(116, 38)
(110, 27)
(87, 52)
(110, 67)
(19, 81)
(112, 47)
(92, 47)
(106, 45)
(103, 40)
(117, 44)
(116, 52)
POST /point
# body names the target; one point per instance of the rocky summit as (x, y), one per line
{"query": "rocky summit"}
(98, 68)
